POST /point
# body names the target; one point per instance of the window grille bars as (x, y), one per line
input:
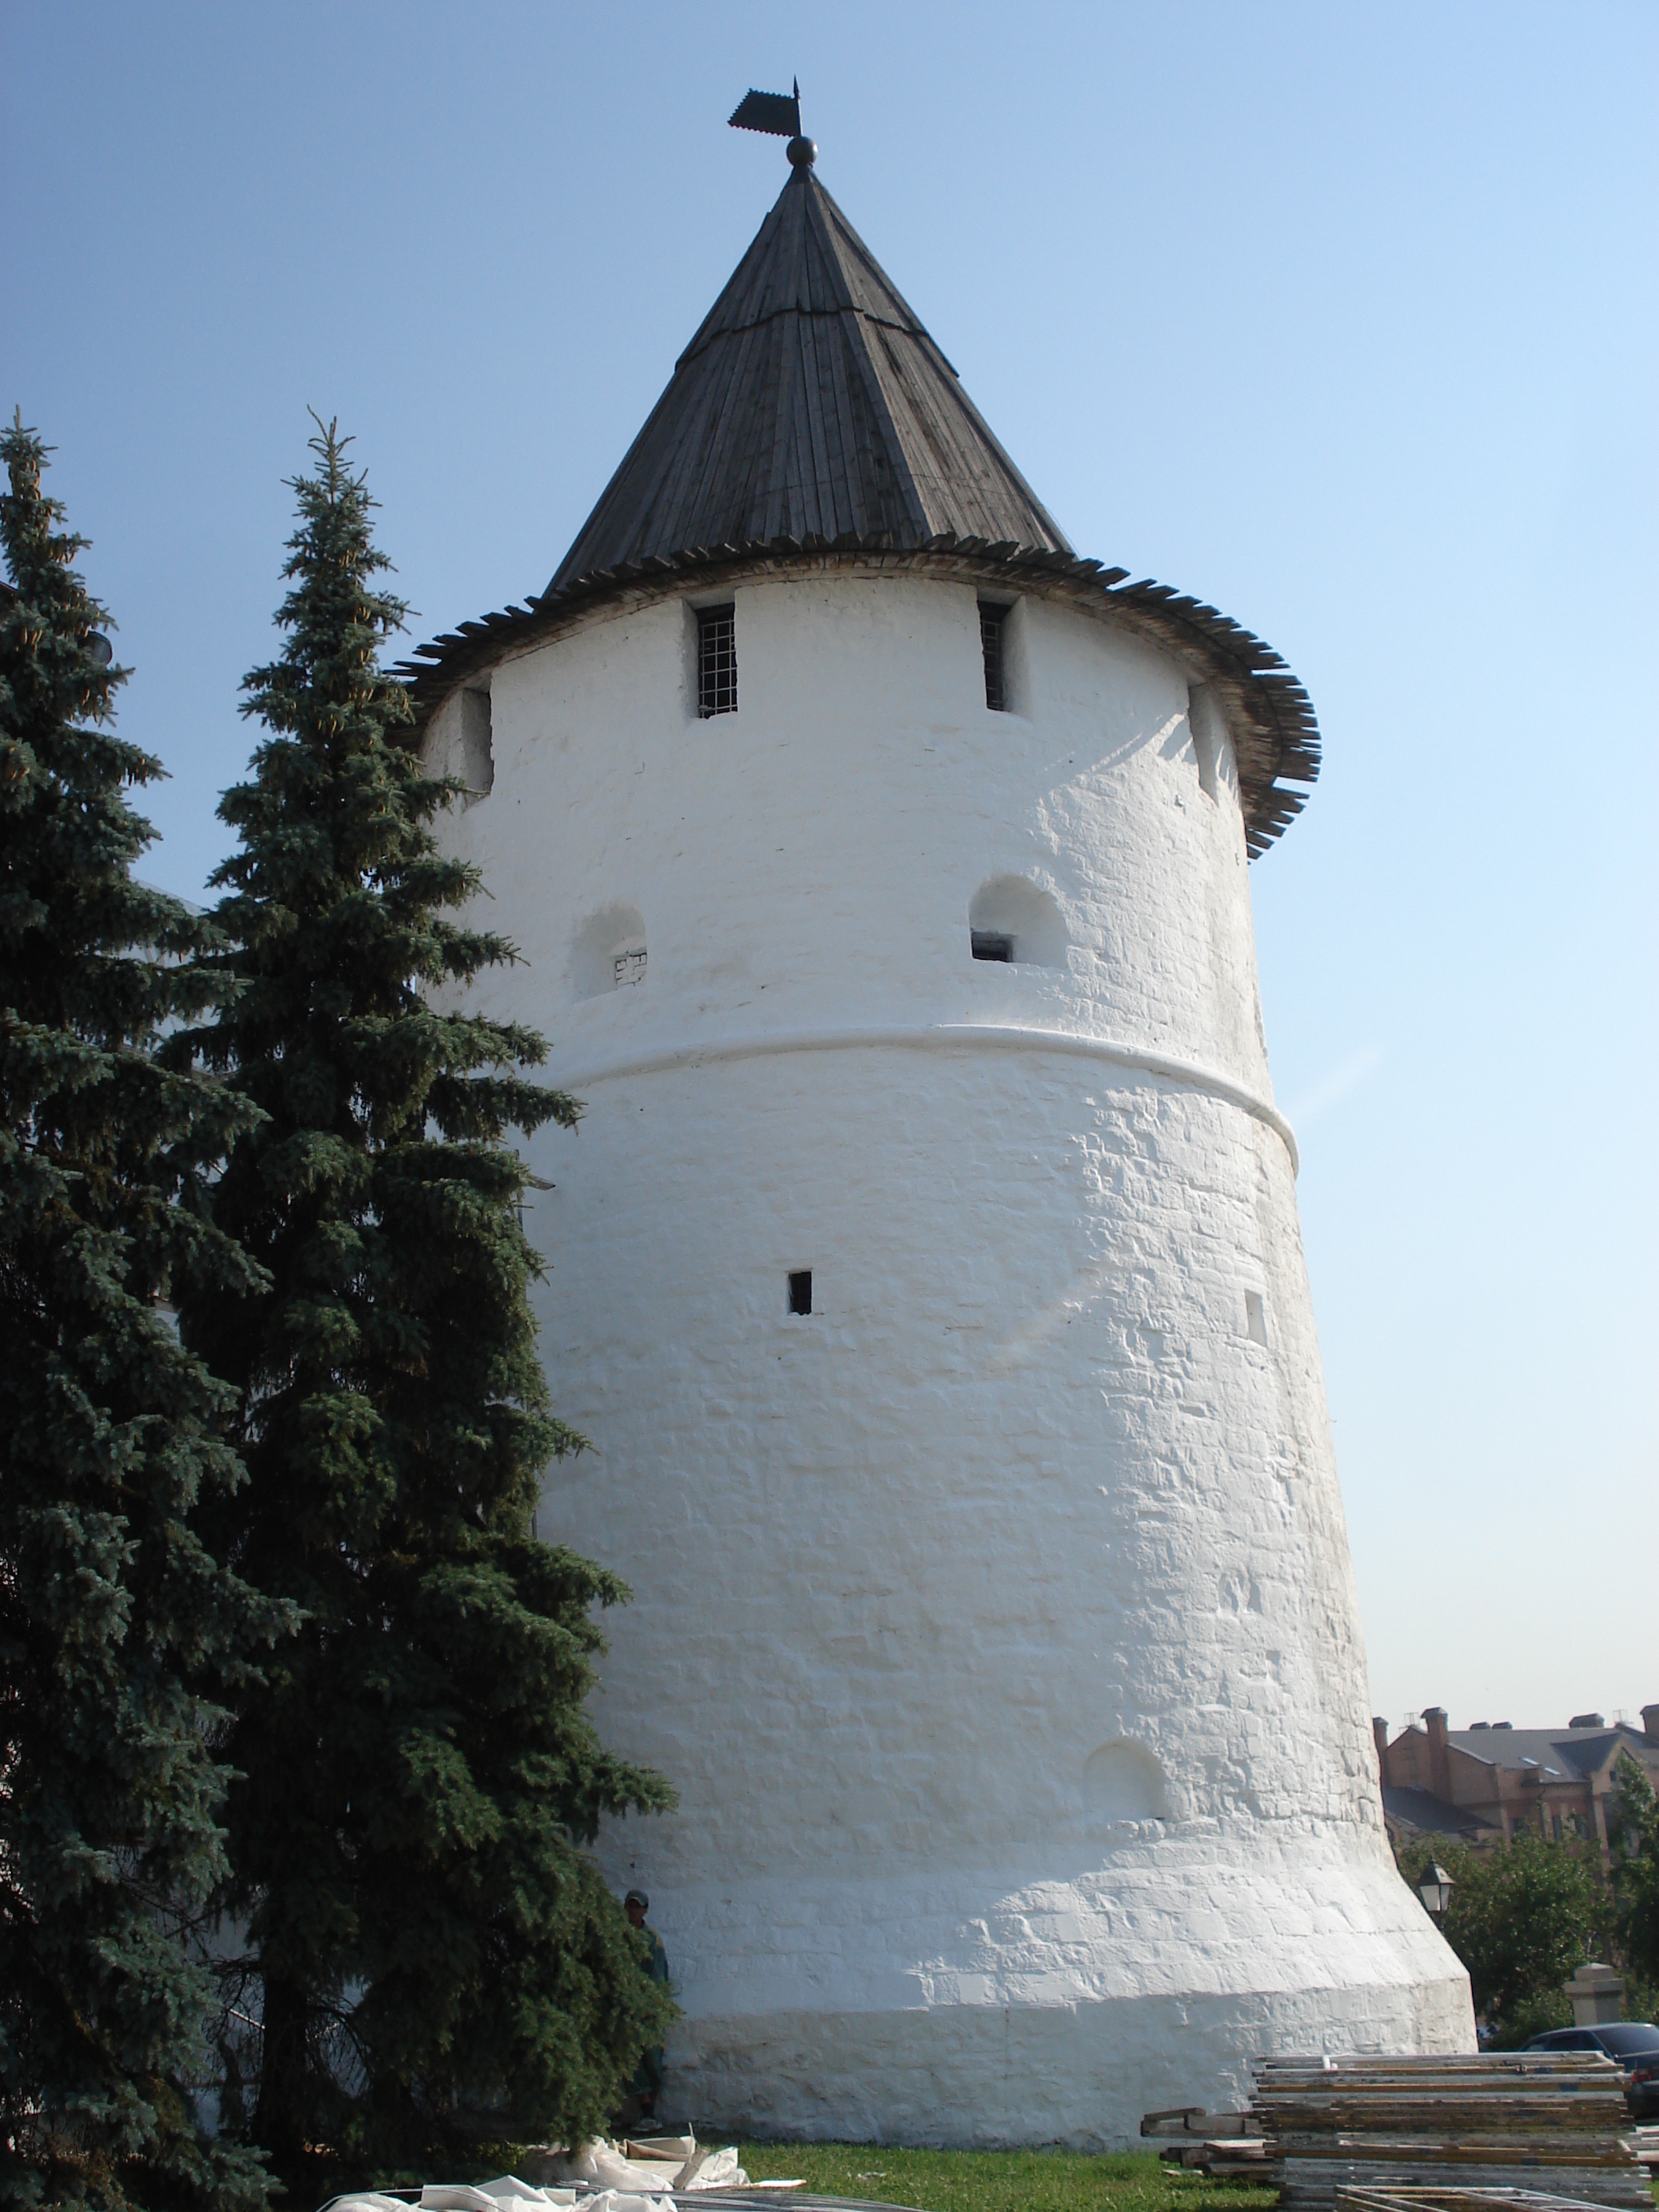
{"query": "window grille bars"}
(717, 661)
(990, 624)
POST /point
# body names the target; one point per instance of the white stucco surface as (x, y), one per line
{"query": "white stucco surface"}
(994, 1622)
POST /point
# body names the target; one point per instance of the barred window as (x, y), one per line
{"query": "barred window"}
(992, 622)
(717, 661)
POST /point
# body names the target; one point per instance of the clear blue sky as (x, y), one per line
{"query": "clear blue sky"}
(1342, 317)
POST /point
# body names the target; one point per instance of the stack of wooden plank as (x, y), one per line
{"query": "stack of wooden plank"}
(1457, 2200)
(1227, 2145)
(1549, 2123)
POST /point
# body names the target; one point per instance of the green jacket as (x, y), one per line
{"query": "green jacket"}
(648, 2079)
(658, 1956)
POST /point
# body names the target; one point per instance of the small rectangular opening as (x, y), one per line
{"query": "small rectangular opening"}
(717, 661)
(629, 967)
(477, 762)
(992, 621)
(988, 944)
(1255, 1317)
(800, 1290)
(1209, 738)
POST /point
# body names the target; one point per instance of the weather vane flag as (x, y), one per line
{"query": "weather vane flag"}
(777, 114)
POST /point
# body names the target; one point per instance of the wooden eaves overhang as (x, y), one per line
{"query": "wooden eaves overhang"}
(1270, 715)
(813, 423)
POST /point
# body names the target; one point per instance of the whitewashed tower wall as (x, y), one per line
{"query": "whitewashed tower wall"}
(994, 1621)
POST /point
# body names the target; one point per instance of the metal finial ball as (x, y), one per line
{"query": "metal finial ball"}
(803, 152)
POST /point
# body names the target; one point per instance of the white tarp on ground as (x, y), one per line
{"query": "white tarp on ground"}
(505, 2194)
(654, 2163)
(614, 2182)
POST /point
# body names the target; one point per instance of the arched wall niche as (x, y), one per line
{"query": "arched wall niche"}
(1123, 1781)
(1014, 909)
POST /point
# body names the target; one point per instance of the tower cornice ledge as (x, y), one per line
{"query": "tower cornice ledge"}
(1269, 716)
(926, 1036)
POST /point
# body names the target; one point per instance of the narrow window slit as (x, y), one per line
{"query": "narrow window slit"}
(800, 1290)
(990, 945)
(1255, 1317)
(717, 661)
(992, 622)
(478, 743)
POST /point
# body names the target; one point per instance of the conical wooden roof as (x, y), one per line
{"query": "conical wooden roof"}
(810, 403)
(812, 420)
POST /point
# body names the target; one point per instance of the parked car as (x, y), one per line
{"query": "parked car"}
(1631, 2044)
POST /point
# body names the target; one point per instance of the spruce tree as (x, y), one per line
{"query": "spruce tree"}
(430, 1950)
(112, 1616)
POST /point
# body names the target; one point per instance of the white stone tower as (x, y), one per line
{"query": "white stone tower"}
(925, 1272)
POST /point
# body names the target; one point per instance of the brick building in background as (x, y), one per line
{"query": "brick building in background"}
(1480, 1785)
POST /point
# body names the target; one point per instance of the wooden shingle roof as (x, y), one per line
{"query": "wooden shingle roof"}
(811, 401)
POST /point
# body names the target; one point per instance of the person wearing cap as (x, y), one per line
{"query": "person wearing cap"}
(646, 2085)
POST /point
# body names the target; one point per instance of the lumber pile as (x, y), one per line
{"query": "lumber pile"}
(1446, 2132)
(1226, 2146)
(1457, 2200)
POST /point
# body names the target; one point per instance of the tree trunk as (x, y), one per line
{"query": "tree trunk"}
(281, 2116)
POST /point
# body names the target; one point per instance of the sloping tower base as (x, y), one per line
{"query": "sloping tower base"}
(1025, 2037)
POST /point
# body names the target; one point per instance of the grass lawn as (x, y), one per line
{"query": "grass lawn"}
(998, 2180)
